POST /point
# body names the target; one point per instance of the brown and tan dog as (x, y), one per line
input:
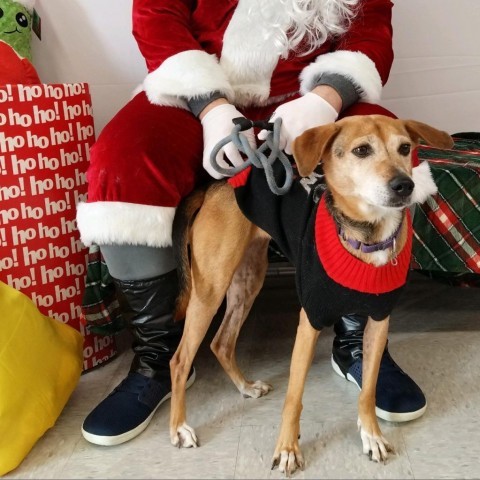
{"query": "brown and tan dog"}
(362, 157)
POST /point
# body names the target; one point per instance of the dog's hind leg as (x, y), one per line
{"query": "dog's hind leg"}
(220, 235)
(287, 452)
(374, 341)
(246, 283)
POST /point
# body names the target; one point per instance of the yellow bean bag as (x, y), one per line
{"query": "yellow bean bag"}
(40, 365)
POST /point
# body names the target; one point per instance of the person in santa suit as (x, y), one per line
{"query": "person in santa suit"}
(209, 61)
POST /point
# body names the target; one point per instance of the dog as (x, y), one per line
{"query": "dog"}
(359, 227)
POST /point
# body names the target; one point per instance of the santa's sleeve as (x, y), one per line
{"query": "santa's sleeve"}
(178, 68)
(363, 55)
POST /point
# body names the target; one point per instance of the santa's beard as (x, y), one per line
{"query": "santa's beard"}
(304, 24)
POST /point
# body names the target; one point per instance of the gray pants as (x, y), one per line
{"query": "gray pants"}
(137, 262)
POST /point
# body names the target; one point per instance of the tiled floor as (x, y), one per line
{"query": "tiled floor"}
(435, 336)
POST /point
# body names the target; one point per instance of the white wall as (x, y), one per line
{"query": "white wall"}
(435, 77)
(90, 41)
(436, 74)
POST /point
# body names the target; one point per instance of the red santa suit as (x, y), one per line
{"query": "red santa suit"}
(150, 155)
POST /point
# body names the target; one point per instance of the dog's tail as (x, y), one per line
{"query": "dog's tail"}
(182, 222)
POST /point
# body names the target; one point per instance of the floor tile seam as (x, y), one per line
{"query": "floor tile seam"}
(405, 449)
(235, 464)
(62, 473)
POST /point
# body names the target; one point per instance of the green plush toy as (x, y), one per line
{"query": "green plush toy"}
(15, 42)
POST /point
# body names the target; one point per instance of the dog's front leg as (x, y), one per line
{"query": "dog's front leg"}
(374, 341)
(287, 452)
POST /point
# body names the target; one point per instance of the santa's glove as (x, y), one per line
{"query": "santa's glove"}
(217, 124)
(299, 115)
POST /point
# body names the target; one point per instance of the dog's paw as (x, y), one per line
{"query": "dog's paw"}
(184, 436)
(256, 389)
(288, 460)
(375, 445)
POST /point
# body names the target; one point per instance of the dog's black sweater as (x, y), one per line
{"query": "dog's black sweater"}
(330, 281)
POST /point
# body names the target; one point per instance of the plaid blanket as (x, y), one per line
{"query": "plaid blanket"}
(447, 226)
(446, 242)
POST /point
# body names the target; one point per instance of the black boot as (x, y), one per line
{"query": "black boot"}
(398, 397)
(127, 411)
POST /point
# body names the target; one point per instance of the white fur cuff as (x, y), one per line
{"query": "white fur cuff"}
(355, 66)
(107, 223)
(424, 184)
(186, 74)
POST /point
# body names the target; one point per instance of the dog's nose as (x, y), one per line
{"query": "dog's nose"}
(402, 185)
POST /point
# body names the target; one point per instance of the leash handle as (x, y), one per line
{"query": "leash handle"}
(256, 157)
(246, 124)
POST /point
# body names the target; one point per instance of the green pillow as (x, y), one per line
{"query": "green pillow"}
(16, 25)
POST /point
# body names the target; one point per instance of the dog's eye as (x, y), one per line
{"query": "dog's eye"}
(404, 149)
(362, 151)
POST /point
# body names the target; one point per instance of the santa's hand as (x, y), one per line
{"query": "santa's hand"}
(299, 115)
(217, 124)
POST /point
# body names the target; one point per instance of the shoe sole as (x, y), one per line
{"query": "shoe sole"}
(383, 414)
(110, 441)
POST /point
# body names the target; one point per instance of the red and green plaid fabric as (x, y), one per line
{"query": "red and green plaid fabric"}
(101, 311)
(447, 225)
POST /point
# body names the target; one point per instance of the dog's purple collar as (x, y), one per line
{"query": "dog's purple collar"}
(371, 247)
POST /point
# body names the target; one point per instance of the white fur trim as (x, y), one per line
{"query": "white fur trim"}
(355, 66)
(250, 52)
(186, 74)
(107, 223)
(28, 4)
(424, 184)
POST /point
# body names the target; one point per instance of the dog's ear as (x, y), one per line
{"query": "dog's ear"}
(435, 138)
(310, 147)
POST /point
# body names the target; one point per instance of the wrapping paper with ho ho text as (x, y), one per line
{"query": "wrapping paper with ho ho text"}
(46, 132)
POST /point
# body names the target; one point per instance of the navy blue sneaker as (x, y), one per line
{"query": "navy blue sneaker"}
(127, 411)
(398, 397)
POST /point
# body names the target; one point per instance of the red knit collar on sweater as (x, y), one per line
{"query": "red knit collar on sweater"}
(347, 270)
